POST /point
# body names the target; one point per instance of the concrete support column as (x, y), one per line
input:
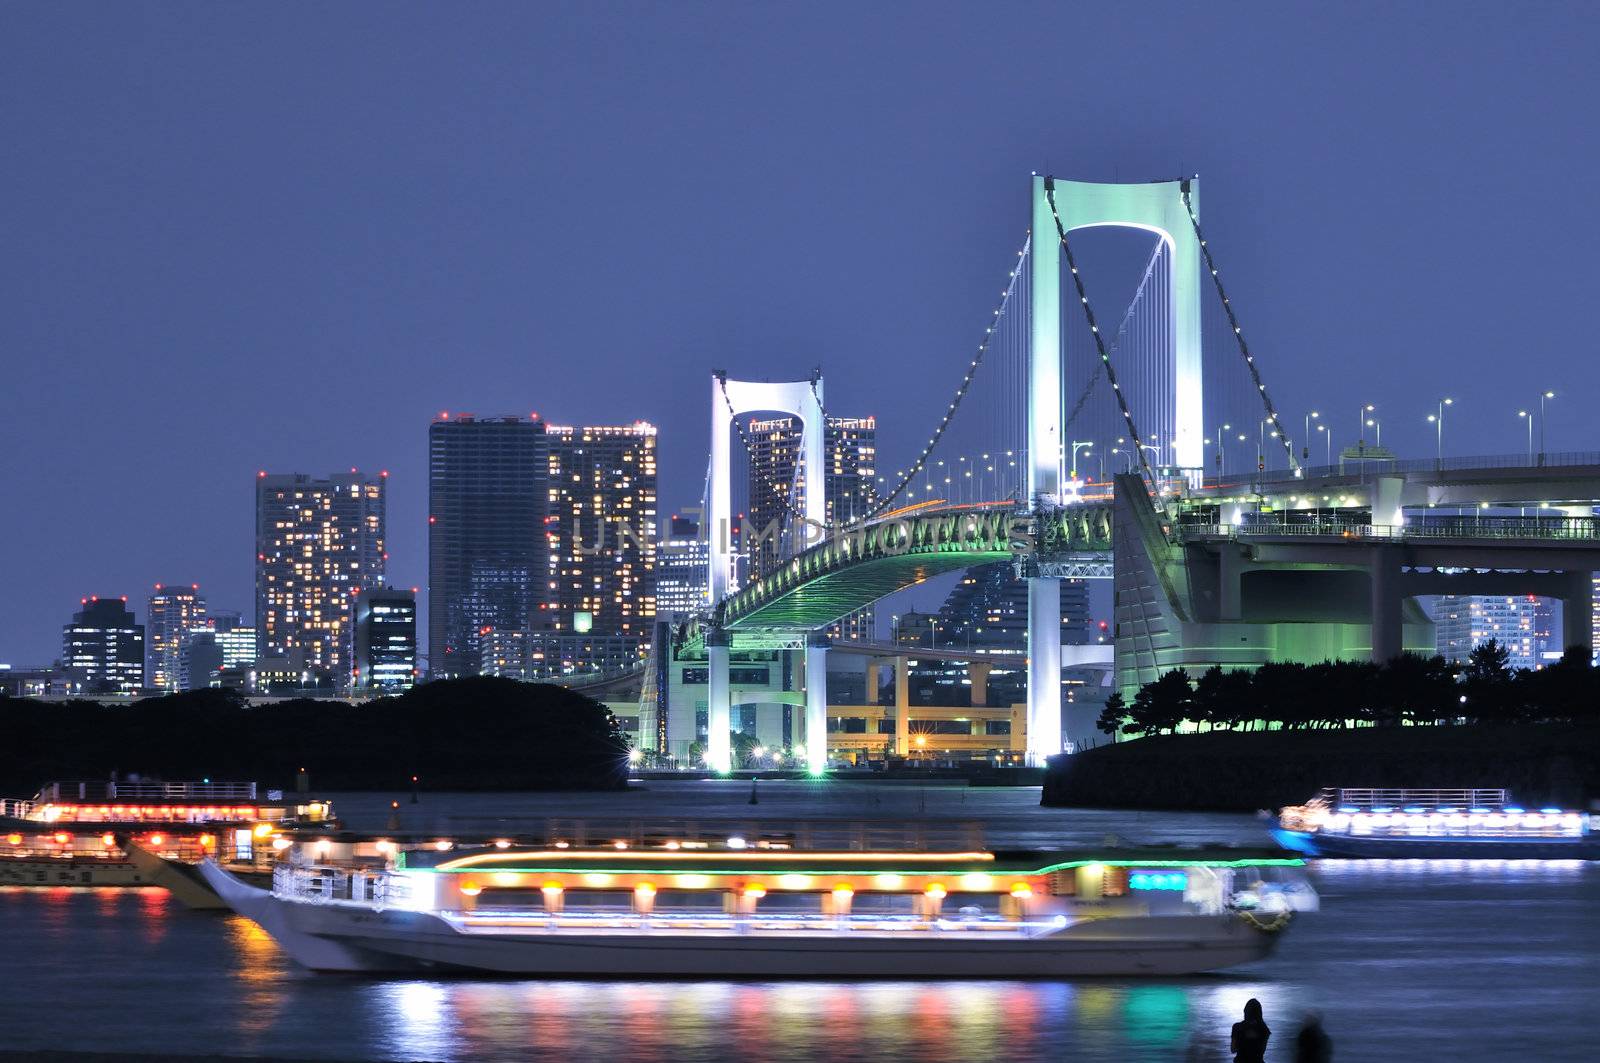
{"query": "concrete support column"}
(816, 703)
(1044, 669)
(719, 746)
(978, 676)
(1577, 612)
(874, 679)
(1386, 629)
(902, 707)
(1230, 566)
(1386, 509)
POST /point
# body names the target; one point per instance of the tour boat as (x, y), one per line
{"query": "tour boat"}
(733, 910)
(1446, 824)
(144, 833)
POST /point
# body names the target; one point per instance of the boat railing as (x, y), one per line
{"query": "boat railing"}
(832, 835)
(1368, 799)
(68, 792)
(15, 808)
(322, 883)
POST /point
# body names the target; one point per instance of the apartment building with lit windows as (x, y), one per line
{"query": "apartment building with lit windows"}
(318, 542)
(600, 529)
(171, 611)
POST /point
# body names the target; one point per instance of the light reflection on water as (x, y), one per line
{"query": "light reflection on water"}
(1409, 960)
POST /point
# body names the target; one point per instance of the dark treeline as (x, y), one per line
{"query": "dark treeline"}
(460, 734)
(1338, 694)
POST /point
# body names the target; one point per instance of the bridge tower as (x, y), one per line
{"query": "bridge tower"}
(1156, 207)
(730, 399)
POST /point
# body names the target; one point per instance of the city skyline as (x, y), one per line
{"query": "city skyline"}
(358, 266)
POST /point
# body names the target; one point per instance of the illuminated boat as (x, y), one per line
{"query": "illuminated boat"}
(732, 911)
(145, 833)
(1422, 824)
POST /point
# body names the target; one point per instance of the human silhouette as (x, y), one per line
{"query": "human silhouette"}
(1312, 1044)
(1249, 1040)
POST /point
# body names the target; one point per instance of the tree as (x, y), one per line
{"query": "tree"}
(1113, 715)
(1163, 704)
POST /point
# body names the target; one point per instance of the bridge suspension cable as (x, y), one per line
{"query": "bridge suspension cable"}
(1099, 341)
(1238, 332)
(886, 501)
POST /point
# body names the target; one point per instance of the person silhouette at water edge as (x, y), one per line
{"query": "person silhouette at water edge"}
(1249, 1040)
(1312, 1044)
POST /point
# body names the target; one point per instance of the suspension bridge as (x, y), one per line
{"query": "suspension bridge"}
(1214, 537)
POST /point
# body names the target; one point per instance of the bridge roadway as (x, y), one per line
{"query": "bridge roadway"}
(1386, 512)
(856, 566)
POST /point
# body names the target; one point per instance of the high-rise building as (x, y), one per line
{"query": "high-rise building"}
(386, 641)
(318, 542)
(103, 648)
(173, 610)
(1462, 622)
(683, 564)
(987, 611)
(777, 480)
(221, 642)
(600, 527)
(487, 553)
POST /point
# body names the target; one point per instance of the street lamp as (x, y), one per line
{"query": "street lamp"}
(1220, 438)
(1077, 446)
(1437, 420)
(1525, 415)
(1362, 422)
(1542, 397)
(1305, 449)
(1327, 436)
(1373, 422)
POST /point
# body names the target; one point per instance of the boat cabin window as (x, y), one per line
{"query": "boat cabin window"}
(689, 901)
(588, 900)
(883, 904)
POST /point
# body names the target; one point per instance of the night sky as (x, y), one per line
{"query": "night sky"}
(240, 237)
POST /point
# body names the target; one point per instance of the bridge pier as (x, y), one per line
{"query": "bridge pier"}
(978, 677)
(1577, 612)
(1387, 631)
(816, 702)
(902, 707)
(1044, 668)
(719, 743)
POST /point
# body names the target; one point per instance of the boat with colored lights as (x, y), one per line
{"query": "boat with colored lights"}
(733, 910)
(1433, 824)
(149, 833)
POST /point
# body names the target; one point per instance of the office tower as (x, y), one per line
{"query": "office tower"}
(987, 612)
(777, 477)
(173, 610)
(1462, 622)
(487, 554)
(221, 641)
(103, 648)
(683, 562)
(386, 641)
(601, 491)
(318, 542)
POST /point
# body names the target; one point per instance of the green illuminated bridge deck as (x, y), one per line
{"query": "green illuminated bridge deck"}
(858, 565)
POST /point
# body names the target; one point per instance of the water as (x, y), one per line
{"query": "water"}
(1408, 960)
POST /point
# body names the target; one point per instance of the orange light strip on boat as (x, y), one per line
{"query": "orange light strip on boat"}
(787, 856)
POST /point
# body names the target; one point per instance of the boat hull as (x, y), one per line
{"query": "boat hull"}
(1324, 844)
(341, 936)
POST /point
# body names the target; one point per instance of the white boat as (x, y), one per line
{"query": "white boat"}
(1461, 824)
(732, 912)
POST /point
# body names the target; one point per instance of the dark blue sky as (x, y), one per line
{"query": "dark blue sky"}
(236, 237)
